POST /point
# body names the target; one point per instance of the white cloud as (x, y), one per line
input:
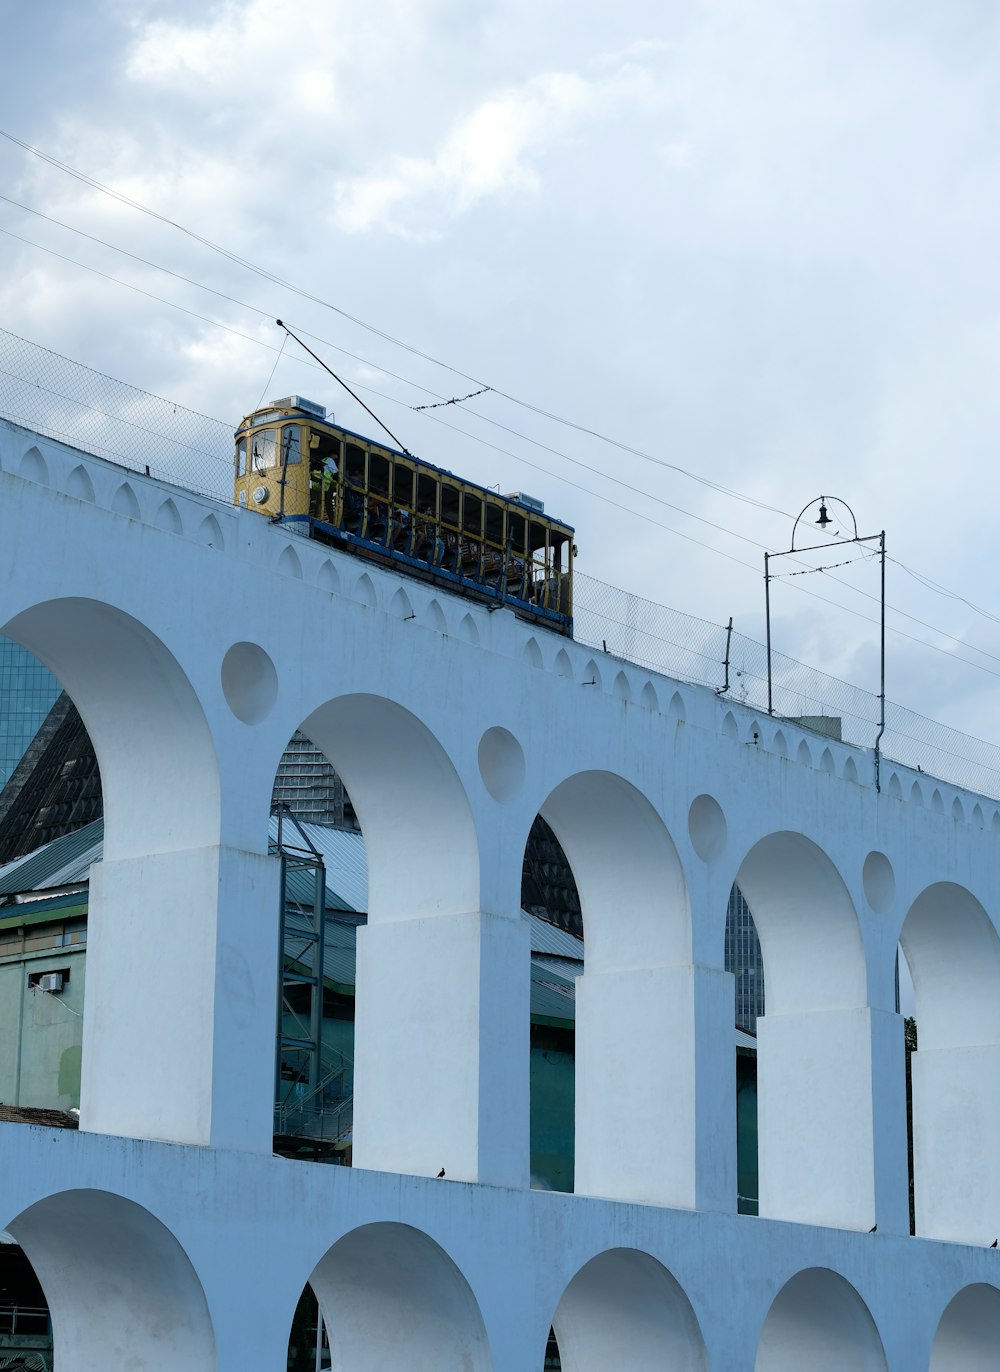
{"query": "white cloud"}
(492, 152)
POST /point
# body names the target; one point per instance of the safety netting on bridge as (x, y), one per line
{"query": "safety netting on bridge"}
(65, 400)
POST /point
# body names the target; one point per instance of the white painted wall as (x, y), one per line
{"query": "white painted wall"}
(193, 656)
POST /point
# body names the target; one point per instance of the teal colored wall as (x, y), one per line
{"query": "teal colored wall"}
(41, 1033)
(553, 1102)
(746, 1133)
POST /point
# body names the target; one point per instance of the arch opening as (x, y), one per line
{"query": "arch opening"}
(814, 1052)
(818, 1321)
(624, 1309)
(121, 1291)
(952, 953)
(636, 993)
(367, 1078)
(157, 758)
(392, 1297)
(968, 1335)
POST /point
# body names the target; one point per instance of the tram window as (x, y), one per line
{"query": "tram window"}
(355, 465)
(323, 447)
(536, 536)
(241, 457)
(378, 474)
(427, 494)
(449, 505)
(517, 529)
(494, 524)
(263, 449)
(402, 484)
(472, 515)
(290, 445)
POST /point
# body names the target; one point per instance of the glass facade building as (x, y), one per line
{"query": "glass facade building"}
(745, 961)
(27, 693)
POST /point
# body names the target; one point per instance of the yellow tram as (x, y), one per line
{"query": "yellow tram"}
(299, 467)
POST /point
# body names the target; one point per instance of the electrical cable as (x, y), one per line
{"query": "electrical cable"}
(267, 275)
(441, 402)
(516, 457)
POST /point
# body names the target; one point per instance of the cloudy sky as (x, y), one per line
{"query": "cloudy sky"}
(757, 243)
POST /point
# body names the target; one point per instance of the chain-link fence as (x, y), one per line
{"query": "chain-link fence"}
(63, 399)
(694, 650)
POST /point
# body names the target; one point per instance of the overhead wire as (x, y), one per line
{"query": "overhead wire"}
(440, 401)
(268, 275)
(483, 388)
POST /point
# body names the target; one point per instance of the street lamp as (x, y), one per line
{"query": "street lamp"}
(823, 521)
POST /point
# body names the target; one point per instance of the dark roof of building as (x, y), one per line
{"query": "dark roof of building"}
(33, 1114)
(55, 788)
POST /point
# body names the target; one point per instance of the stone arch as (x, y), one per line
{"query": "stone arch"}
(851, 770)
(622, 689)
(562, 665)
(122, 1292)
(624, 1309)
(162, 835)
(125, 502)
(826, 762)
(648, 698)
(468, 630)
(531, 653)
(210, 533)
(968, 1334)
(895, 787)
(952, 951)
(803, 754)
(423, 930)
(401, 606)
(392, 1297)
(33, 467)
(729, 726)
(632, 1115)
(412, 807)
(435, 616)
(168, 518)
(157, 759)
(79, 484)
(677, 710)
(818, 1321)
(632, 889)
(813, 1046)
(289, 563)
(806, 920)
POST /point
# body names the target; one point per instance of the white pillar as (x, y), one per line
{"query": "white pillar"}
(815, 1121)
(441, 1048)
(655, 1087)
(179, 1017)
(956, 1135)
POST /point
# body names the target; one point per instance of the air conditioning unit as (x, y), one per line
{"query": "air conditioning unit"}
(299, 402)
(50, 981)
(532, 502)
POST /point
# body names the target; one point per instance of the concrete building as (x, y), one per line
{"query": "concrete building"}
(165, 1233)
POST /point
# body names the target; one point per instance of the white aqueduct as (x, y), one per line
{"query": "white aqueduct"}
(195, 639)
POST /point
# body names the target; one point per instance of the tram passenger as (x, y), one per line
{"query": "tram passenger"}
(322, 486)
